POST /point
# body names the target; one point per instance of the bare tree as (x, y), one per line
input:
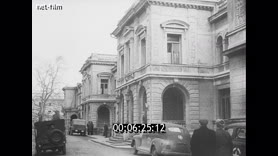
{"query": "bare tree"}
(48, 84)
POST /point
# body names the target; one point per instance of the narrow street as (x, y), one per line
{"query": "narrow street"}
(81, 146)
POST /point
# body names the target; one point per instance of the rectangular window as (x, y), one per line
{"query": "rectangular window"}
(173, 48)
(224, 104)
(143, 52)
(104, 86)
(128, 57)
(122, 65)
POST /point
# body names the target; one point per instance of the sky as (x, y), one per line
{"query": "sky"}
(82, 27)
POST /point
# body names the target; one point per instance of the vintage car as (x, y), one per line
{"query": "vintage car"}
(78, 126)
(176, 141)
(238, 132)
(50, 135)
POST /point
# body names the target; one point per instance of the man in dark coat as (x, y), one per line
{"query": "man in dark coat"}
(203, 140)
(224, 144)
(105, 130)
(90, 127)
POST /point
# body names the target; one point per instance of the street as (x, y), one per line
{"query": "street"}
(81, 146)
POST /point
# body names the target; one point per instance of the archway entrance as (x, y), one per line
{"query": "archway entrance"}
(103, 116)
(142, 105)
(173, 104)
(74, 116)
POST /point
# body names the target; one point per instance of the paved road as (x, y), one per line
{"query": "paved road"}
(80, 146)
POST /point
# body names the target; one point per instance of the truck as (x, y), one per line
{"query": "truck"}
(78, 126)
(50, 135)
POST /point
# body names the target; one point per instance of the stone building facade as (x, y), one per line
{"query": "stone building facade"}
(98, 85)
(72, 100)
(175, 62)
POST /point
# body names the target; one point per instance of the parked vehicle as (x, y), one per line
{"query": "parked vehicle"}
(50, 135)
(78, 126)
(176, 141)
(238, 132)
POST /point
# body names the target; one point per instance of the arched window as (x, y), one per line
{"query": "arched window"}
(219, 49)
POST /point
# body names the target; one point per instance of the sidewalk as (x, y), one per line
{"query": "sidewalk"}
(105, 141)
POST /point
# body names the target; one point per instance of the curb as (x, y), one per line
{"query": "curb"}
(121, 147)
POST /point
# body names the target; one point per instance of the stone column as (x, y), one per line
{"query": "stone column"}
(131, 45)
(126, 108)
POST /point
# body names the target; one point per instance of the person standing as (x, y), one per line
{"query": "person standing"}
(89, 127)
(224, 144)
(105, 130)
(144, 118)
(92, 128)
(203, 140)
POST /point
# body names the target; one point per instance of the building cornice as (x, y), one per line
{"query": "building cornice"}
(92, 62)
(199, 5)
(186, 5)
(220, 14)
(69, 88)
(236, 49)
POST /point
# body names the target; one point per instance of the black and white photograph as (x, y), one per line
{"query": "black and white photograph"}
(139, 77)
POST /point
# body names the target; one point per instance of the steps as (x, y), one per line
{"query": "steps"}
(118, 140)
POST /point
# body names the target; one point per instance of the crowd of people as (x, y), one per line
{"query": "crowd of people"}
(207, 142)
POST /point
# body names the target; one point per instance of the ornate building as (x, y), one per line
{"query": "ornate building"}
(98, 85)
(179, 61)
(94, 99)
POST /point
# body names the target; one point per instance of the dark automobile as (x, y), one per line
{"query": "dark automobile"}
(176, 141)
(50, 135)
(238, 132)
(78, 126)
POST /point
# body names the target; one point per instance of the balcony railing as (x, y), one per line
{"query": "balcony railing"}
(174, 69)
(221, 67)
(98, 97)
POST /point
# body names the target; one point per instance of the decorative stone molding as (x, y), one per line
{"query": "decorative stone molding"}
(220, 14)
(240, 14)
(127, 30)
(182, 5)
(120, 47)
(129, 77)
(140, 30)
(175, 24)
(104, 74)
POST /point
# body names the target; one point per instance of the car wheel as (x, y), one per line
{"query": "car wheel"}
(154, 152)
(64, 149)
(56, 136)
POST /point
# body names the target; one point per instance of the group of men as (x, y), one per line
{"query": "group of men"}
(207, 142)
(90, 129)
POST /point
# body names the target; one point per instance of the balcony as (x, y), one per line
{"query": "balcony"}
(175, 70)
(99, 97)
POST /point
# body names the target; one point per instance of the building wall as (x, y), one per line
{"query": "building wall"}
(207, 101)
(69, 97)
(196, 48)
(95, 80)
(238, 85)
